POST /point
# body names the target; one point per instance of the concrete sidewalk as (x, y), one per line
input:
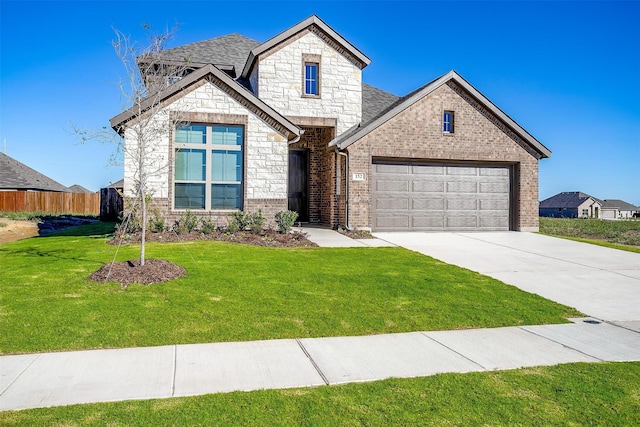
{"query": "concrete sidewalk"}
(65, 378)
(325, 237)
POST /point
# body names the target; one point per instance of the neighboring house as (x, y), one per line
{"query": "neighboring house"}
(289, 124)
(573, 204)
(16, 176)
(76, 188)
(619, 209)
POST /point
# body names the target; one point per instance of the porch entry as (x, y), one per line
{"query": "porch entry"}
(298, 186)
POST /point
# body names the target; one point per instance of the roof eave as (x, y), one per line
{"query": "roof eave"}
(312, 20)
(117, 123)
(451, 75)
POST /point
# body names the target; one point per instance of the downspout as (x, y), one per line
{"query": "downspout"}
(346, 186)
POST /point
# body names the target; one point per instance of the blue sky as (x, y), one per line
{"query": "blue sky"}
(568, 72)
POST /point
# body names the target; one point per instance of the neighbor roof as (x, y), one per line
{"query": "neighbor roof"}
(620, 204)
(310, 23)
(348, 138)
(242, 95)
(569, 199)
(76, 188)
(18, 176)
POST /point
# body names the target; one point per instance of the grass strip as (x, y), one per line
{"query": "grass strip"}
(603, 394)
(235, 292)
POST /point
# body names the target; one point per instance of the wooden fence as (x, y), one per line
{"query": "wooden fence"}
(50, 202)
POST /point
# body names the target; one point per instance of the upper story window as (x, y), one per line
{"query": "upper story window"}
(311, 75)
(447, 122)
(310, 79)
(208, 167)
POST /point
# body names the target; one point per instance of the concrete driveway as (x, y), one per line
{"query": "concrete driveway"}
(600, 282)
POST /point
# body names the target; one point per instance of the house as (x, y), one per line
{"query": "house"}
(289, 124)
(77, 188)
(16, 176)
(572, 204)
(619, 209)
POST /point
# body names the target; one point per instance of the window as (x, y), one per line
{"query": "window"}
(447, 122)
(585, 213)
(208, 167)
(311, 81)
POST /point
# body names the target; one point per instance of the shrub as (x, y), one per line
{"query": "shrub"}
(208, 225)
(187, 223)
(243, 221)
(285, 220)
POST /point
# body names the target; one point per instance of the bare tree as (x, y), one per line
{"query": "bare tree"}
(145, 118)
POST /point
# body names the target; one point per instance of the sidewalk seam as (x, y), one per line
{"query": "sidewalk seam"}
(561, 343)
(19, 375)
(456, 352)
(313, 362)
(173, 375)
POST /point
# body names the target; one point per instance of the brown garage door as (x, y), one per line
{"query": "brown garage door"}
(440, 197)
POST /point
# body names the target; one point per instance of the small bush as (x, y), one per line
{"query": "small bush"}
(187, 223)
(285, 220)
(244, 221)
(208, 225)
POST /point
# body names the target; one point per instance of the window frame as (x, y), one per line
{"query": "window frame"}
(210, 148)
(313, 61)
(448, 126)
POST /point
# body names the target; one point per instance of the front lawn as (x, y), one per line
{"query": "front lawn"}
(235, 292)
(579, 394)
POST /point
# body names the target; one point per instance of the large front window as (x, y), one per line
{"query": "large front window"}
(208, 167)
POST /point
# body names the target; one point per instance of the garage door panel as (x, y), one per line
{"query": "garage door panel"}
(391, 169)
(494, 205)
(461, 187)
(427, 223)
(490, 223)
(460, 170)
(427, 204)
(459, 222)
(440, 197)
(392, 185)
(393, 222)
(427, 186)
(431, 170)
(462, 205)
(494, 172)
(392, 203)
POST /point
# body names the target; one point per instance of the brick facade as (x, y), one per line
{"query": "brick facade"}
(416, 133)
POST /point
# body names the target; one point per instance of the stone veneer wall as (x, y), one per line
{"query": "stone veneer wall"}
(278, 76)
(265, 161)
(417, 133)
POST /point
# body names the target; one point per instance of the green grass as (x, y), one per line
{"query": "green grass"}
(605, 394)
(623, 235)
(238, 292)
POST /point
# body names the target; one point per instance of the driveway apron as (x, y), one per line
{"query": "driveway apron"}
(601, 282)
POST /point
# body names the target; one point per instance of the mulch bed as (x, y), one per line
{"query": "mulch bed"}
(125, 273)
(269, 238)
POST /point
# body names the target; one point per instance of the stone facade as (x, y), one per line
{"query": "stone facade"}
(416, 133)
(277, 79)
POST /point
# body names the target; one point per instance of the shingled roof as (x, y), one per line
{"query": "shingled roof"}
(18, 176)
(620, 204)
(227, 51)
(569, 199)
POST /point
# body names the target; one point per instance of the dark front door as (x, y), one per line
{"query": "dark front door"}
(298, 183)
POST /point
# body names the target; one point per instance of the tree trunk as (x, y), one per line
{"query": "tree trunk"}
(143, 206)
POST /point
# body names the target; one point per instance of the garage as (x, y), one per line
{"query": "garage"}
(413, 196)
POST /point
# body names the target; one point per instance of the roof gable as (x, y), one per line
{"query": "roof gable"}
(15, 175)
(348, 138)
(317, 26)
(224, 82)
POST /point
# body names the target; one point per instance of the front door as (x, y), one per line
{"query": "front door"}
(298, 183)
